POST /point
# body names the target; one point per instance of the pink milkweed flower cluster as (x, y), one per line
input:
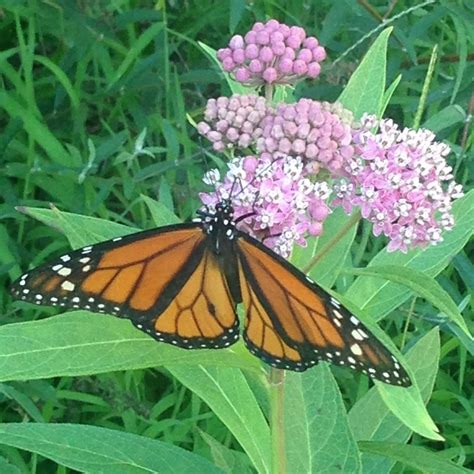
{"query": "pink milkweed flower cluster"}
(233, 121)
(401, 182)
(319, 132)
(285, 204)
(272, 53)
(298, 161)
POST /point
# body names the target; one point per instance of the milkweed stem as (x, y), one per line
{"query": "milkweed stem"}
(277, 425)
(331, 243)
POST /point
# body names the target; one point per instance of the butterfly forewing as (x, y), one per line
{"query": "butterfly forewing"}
(307, 319)
(124, 276)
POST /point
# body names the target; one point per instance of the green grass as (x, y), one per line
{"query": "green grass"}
(95, 99)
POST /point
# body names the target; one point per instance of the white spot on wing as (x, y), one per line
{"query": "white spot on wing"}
(68, 286)
(355, 349)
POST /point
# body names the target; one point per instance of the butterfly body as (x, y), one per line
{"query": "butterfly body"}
(181, 285)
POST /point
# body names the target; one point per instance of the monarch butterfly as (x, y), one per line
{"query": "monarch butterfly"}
(181, 284)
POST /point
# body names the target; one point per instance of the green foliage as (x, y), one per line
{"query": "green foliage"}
(96, 101)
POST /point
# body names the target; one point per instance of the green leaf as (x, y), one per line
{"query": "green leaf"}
(80, 230)
(7, 468)
(332, 253)
(365, 90)
(317, 434)
(237, 9)
(407, 405)
(449, 116)
(135, 50)
(228, 394)
(22, 400)
(415, 457)
(371, 419)
(378, 299)
(229, 460)
(81, 343)
(421, 284)
(159, 212)
(37, 130)
(389, 93)
(93, 449)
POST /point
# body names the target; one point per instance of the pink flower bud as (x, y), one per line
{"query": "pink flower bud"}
(258, 26)
(313, 70)
(251, 51)
(256, 66)
(232, 134)
(289, 113)
(285, 66)
(203, 128)
(272, 25)
(293, 41)
(242, 75)
(319, 54)
(323, 142)
(271, 145)
(284, 146)
(305, 55)
(277, 37)
(303, 130)
(284, 30)
(317, 118)
(311, 151)
(218, 146)
(222, 126)
(270, 75)
(214, 136)
(315, 228)
(262, 38)
(290, 129)
(299, 146)
(223, 53)
(289, 53)
(325, 156)
(313, 135)
(222, 101)
(236, 42)
(299, 67)
(250, 37)
(247, 127)
(310, 42)
(238, 56)
(278, 48)
(228, 64)
(299, 32)
(266, 54)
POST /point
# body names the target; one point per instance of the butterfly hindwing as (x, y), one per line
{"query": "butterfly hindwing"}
(201, 314)
(306, 319)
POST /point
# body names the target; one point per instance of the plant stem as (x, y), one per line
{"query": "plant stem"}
(329, 245)
(277, 393)
(268, 93)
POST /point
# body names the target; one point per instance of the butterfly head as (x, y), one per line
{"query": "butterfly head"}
(224, 209)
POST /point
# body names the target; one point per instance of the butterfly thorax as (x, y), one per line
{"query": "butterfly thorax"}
(220, 227)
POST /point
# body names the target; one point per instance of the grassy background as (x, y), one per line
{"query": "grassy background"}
(93, 104)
